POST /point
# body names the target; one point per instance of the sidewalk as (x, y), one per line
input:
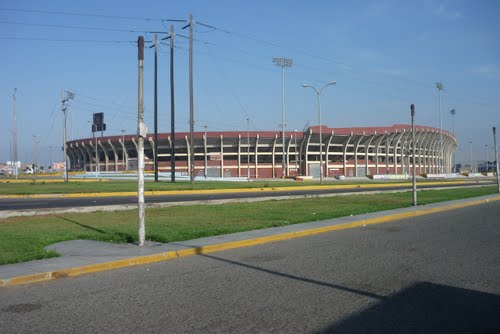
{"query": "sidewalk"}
(80, 257)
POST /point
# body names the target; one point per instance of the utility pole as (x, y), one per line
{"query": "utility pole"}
(64, 107)
(51, 159)
(496, 157)
(156, 109)
(191, 102)
(414, 177)
(172, 105)
(283, 62)
(141, 133)
(248, 149)
(14, 137)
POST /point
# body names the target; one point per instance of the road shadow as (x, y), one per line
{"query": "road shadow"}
(426, 308)
(423, 307)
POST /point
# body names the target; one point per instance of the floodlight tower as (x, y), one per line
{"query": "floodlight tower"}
(283, 62)
(440, 87)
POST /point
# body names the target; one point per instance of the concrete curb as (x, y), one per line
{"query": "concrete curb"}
(164, 256)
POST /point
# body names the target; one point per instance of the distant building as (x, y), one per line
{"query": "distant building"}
(357, 151)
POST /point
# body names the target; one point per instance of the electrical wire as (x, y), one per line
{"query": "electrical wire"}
(80, 27)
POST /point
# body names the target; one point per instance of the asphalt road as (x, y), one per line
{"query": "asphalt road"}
(19, 204)
(431, 274)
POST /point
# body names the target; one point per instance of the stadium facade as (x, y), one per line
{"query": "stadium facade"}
(352, 152)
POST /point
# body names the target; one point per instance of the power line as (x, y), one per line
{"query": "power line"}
(82, 14)
(80, 27)
(63, 40)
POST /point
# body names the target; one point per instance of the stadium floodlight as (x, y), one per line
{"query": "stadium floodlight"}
(318, 93)
(283, 62)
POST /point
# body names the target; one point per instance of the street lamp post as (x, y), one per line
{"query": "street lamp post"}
(486, 163)
(440, 87)
(296, 165)
(318, 93)
(283, 62)
(413, 144)
(123, 149)
(471, 168)
(453, 113)
(35, 153)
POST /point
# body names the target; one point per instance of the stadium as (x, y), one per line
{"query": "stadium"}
(348, 152)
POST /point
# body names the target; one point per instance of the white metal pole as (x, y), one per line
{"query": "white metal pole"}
(141, 132)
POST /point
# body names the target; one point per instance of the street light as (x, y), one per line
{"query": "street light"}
(440, 87)
(35, 153)
(283, 62)
(318, 93)
(123, 148)
(453, 113)
(471, 169)
(486, 164)
(296, 166)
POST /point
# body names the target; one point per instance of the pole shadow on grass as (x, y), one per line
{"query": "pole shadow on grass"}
(114, 235)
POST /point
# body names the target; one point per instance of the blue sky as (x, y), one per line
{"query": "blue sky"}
(384, 56)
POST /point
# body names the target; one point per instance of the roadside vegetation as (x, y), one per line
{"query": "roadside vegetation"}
(56, 186)
(23, 238)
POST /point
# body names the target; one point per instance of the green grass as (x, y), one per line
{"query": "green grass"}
(43, 186)
(23, 238)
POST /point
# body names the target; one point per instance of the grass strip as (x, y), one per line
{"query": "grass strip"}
(23, 238)
(44, 186)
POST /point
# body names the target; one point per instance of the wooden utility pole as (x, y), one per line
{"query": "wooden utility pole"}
(141, 133)
(156, 109)
(191, 102)
(172, 105)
